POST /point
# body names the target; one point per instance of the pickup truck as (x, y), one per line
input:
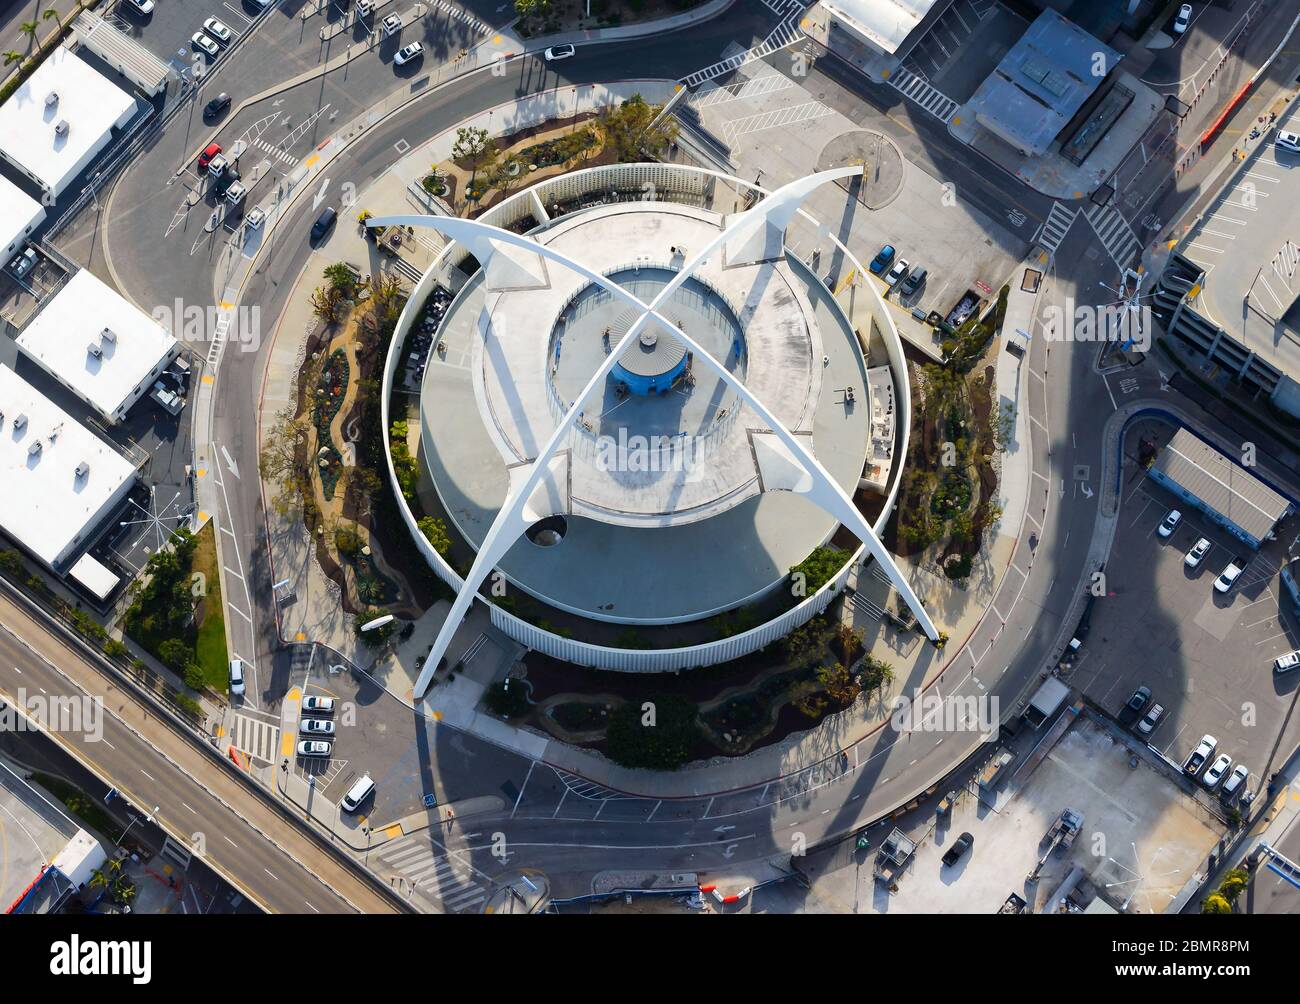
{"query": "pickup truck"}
(1202, 753)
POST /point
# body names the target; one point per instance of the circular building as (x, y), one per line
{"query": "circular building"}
(667, 450)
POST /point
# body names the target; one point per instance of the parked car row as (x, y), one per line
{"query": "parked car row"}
(212, 37)
(1231, 572)
(314, 707)
(1216, 770)
(898, 272)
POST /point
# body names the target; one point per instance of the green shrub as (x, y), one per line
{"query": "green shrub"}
(660, 737)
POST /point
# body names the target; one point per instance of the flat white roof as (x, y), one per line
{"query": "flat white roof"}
(60, 336)
(44, 505)
(884, 22)
(18, 211)
(94, 576)
(88, 101)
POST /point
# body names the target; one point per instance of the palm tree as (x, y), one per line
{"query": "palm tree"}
(13, 56)
(28, 28)
(50, 14)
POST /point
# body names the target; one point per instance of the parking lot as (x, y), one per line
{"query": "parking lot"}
(1249, 247)
(1206, 656)
(772, 122)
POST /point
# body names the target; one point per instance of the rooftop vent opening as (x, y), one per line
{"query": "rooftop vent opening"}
(548, 532)
(20, 422)
(95, 350)
(83, 469)
(61, 129)
(51, 99)
(35, 448)
(108, 335)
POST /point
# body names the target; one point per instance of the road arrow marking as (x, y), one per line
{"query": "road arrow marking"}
(230, 463)
(722, 829)
(320, 195)
(731, 849)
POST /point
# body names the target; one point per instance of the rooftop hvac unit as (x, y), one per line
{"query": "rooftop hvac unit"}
(35, 448)
(83, 469)
(108, 335)
(61, 129)
(51, 99)
(20, 422)
(95, 350)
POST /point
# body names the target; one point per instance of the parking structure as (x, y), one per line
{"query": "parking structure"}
(1206, 656)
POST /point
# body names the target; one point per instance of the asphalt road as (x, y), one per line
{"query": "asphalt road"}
(244, 839)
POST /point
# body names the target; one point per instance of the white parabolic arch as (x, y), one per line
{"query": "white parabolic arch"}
(484, 241)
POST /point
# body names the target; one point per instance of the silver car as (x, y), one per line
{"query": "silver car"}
(217, 30)
(1198, 551)
(201, 41)
(1217, 769)
(316, 727)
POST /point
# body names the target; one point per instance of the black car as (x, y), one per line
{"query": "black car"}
(1139, 699)
(323, 223)
(959, 847)
(216, 106)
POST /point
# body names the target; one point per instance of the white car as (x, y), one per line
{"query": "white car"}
(217, 30)
(1183, 19)
(236, 678)
(143, 6)
(317, 727)
(901, 265)
(314, 747)
(1217, 769)
(1284, 663)
(201, 41)
(1235, 780)
(408, 52)
(1289, 141)
(1228, 576)
(557, 52)
(1170, 523)
(1148, 724)
(1198, 551)
(320, 705)
(1204, 750)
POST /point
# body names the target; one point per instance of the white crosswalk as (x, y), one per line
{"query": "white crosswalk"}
(461, 15)
(785, 34)
(777, 117)
(276, 152)
(1114, 233)
(433, 873)
(1055, 227)
(256, 737)
(929, 97)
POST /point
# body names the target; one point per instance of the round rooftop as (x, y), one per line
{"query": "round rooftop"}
(659, 486)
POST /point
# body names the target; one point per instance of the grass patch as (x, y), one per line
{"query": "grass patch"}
(210, 645)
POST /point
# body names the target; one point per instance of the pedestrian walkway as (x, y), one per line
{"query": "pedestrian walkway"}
(1055, 227)
(255, 736)
(784, 34)
(433, 873)
(929, 97)
(1114, 233)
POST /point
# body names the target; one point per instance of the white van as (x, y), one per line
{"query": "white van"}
(357, 794)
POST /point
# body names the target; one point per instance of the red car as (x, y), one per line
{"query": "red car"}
(206, 156)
